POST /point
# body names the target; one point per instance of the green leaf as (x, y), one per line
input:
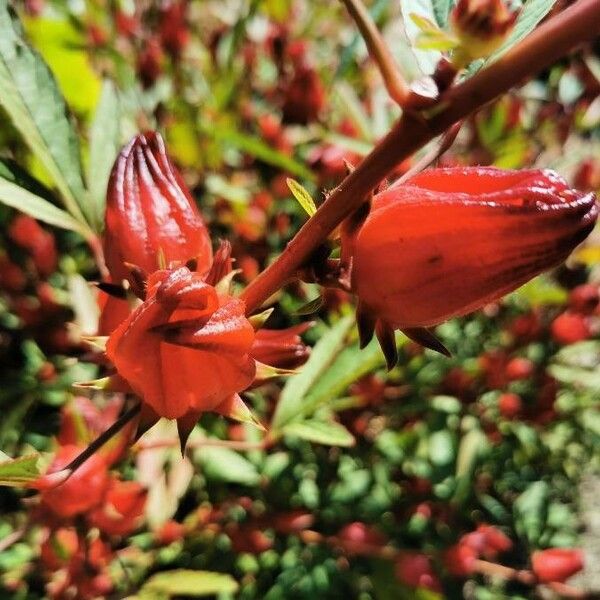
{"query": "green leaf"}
(30, 96)
(310, 308)
(19, 472)
(441, 10)
(424, 11)
(105, 141)
(63, 48)
(26, 194)
(530, 511)
(441, 448)
(301, 194)
(321, 432)
(185, 582)
(223, 464)
(531, 14)
(257, 148)
(322, 355)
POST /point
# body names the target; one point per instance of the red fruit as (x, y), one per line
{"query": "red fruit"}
(58, 548)
(519, 368)
(27, 233)
(413, 256)
(122, 509)
(584, 299)
(79, 493)
(510, 405)
(459, 560)
(569, 328)
(12, 277)
(293, 521)
(149, 62)
(359, 538)
(174, 32)
(526, 328)
(487, 541)
(248, 538)
(281, 348)
(304, 96)
(415, 570)
(556, 564)
(169, 532)
(185, 350)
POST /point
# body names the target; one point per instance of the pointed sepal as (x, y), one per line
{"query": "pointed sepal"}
(365, 322)
(235, 408)
(387, 341)
(185, 426)
(259, 319)
(426, 338)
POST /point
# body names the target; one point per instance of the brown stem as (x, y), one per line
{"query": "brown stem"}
(549, 42)
(125, 418)
(495, 570)
(379, 51)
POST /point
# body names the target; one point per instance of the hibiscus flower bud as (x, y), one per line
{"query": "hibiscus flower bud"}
(150, 213)
(82, 491)
(122, 509)
(556, 564)
(448, 241)
(185, 350)
(481, 27)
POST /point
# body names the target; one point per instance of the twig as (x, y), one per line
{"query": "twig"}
(11, 538)
(125, 418)
(394, 82)
(549, 42)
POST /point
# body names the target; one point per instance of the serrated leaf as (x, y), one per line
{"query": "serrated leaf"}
(185, 582)
(322, 355)
(302, 195)
(531, 14)
(19, 472)
(16, 192)
(328, 433)
(30, 96)
(423, 10)
(223, 464)
(105, 141)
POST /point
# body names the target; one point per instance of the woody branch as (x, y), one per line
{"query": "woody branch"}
(578, 24)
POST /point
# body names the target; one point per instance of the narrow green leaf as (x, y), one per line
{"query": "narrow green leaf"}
(531, 14)
(223, 464)
(323, 354)
(321, 432)
(30, 96)
(257, 148)
(24, 193)
(19, 472)
(310, 308)
(185, 582)
(302, 195)
(105, 141)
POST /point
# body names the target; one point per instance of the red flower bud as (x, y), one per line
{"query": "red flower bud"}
(150, 212)
(459, 560)
(122, 510)
(449, 241)
(415, 570)
(83, 490)
(570, 328)
(556, 564)
(185, 349)
(510, 405)
(282, 348)
(481, 26)
(584, 298)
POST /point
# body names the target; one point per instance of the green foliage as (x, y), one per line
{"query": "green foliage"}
(181, 582)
